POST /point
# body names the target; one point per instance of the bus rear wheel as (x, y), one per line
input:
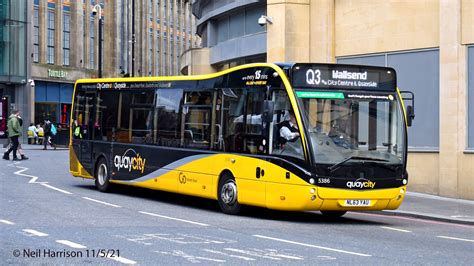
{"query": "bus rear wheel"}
(102, 176)
(227, 195)
(333, 214)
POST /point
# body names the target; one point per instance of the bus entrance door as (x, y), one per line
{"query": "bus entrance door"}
(83, 127)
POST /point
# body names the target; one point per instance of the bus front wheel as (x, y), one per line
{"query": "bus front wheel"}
(102, 176)
(227, 195)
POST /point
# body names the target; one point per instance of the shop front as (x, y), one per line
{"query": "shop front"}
(53, 102)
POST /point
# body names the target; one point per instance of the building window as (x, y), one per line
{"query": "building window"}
(92, 44)
(150, 48)
(66, 36)
(165, 48)
(470, 95)
(410, 66)
(158, 56)
(36, 35)
(51, 37)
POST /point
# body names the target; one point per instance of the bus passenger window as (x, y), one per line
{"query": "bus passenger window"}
(197, 119)
(168, 117)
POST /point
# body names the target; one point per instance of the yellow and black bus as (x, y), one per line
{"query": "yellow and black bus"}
(301, 136)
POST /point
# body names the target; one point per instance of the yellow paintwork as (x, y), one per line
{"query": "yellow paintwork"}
(75, 167)
(403, 106)
(271, 190)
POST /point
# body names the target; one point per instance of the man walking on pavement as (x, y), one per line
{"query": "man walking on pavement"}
(48, 135)
(14, 132)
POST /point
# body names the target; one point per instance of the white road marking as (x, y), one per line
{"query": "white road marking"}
(455, 238)
(70, 244)
(230, 255)
(326, 258)
(172, 218)
(252, 253)
(314, 246)
(395, 229)
(122, 260)
(102, 202)
(57, 189)
(33, 178)
(460, 216)
(190, 258)
(34, 232)
(6, 222)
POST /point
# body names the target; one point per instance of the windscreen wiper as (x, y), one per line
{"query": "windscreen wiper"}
(336, 165)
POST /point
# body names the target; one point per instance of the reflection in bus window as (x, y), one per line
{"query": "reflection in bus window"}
(197, 119)
(168, 117)
(141, 116)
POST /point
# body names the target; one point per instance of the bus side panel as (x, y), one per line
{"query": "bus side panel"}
(165, 182)
(251, 190)
(75, 166)
(199, 177)
(292, 197)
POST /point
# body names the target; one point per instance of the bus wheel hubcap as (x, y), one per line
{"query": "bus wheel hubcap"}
(229, 193)
(102, 173)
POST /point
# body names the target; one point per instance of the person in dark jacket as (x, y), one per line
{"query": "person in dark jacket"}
(14, 132)
(48, 135)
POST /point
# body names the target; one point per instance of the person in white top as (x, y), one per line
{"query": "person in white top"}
(289, 129)
(33, 133)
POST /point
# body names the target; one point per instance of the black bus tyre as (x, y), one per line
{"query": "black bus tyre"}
(102, 176)
(227, 194)
(333, 214)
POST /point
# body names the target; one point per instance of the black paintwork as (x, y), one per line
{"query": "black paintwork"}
(89, 151)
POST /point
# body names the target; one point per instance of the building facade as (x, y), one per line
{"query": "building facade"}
(14, 64)
(140, 38)
(430, 43)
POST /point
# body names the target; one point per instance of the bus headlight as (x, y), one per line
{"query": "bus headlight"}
(405, 181)
(312, 191)
(311, 180)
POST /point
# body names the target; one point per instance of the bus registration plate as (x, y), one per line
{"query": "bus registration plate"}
(357, 203)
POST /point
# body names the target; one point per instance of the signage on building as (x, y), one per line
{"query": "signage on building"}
(60, 74)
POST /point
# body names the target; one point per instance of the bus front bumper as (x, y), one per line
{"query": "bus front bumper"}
(312, 198)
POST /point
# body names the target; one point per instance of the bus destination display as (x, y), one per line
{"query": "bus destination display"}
(343, 77)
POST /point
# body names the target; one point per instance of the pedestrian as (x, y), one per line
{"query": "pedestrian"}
(20, 148)
(48, 134)
(40, 133)
(32, 134)
(14, 132)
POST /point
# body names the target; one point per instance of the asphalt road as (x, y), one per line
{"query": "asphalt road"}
(48, 216)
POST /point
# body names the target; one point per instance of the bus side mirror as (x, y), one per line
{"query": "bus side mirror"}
(267, 115)
(410, 108)
(410, 115)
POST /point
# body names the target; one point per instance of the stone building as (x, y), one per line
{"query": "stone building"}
(430, 43)
(62, 46)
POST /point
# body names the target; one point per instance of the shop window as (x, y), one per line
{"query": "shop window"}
(470, 101)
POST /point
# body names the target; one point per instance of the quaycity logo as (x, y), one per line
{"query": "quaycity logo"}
(130, 160)
(360, 183)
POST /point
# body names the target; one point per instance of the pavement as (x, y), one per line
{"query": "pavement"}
(415, 204)
(438, 208)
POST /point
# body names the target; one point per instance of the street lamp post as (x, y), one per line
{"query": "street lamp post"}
(98, 9)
